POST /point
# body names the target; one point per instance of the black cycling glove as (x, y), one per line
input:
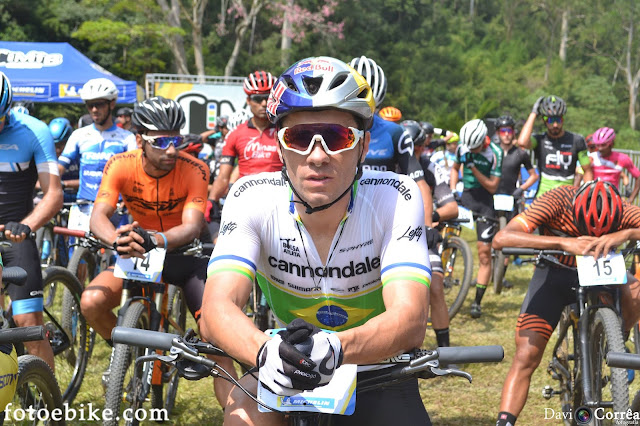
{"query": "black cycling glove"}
(17, 228)
(433, 237)
(518, 193)
(148, 244)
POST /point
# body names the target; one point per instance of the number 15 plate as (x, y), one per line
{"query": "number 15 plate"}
(602, 271)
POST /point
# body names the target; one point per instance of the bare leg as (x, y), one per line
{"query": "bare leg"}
(529, 350)
(99, 299)
(40, 348)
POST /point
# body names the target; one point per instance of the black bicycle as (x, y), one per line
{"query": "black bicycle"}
(503, 211)
(586, 332)
(457, 264)
(630, 361)
(67, 329)
(37, 387)
(186, 356)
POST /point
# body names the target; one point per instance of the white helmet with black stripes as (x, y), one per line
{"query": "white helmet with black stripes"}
(473, 133)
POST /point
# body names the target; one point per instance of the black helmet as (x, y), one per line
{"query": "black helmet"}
(158, 113)
(505, 121)
(415, 131)
(553, 106)
(124, 111)
(427, 127)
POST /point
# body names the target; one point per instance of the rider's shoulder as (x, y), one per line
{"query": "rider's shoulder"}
(387, 186)
(258, 186)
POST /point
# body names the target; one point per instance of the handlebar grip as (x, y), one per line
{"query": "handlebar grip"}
(142, 338)
(623, 360)
(22, 334)
(69, 232)
(14, 275)
(470, 354)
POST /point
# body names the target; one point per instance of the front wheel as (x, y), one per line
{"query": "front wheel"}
(67, 329)
(121, 389)
(37, 389)
(499, 267)
(457, 266)
(610, 386)
(164, 395)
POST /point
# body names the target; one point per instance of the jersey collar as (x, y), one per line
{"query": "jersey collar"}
(292, 205)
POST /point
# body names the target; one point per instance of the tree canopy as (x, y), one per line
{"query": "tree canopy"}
(447, 61)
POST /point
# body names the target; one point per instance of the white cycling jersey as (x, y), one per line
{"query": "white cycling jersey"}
(379, 241)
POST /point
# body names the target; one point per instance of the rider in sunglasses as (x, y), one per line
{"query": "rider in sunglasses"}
(306, 235)
(558, 151)
(164, 190)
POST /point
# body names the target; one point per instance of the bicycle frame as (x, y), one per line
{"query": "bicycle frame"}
(153, 295)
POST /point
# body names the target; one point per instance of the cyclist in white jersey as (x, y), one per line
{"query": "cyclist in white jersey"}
(331, 247)
(92, 146)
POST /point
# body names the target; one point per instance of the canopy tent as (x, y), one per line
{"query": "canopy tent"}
(53, 72)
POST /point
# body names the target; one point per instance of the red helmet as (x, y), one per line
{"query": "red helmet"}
(258, 82)
(597, 208)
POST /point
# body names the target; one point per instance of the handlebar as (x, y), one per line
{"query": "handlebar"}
(22, 334)
(521, 251)
(471, 354)
(69, 232)
(14, 275)
(623, 360)
(143, 338)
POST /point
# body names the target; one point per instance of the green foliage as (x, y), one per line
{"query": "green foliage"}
(442, 63)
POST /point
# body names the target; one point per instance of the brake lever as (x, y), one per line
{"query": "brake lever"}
(451, 372)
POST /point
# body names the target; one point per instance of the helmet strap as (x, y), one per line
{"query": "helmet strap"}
(308, 208)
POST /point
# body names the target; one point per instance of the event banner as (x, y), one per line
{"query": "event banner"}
(203, 103)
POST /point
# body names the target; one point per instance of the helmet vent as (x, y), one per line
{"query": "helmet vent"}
(338, 80)
(312, 84)
(364, 93)
(290, 83)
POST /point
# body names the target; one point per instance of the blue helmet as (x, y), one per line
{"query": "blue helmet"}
(321, 83)
(6, 95)
(60, 129)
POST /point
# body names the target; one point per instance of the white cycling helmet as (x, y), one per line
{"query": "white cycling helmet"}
(237, 118)
(374, 75)
(99, 88)
(473, 133)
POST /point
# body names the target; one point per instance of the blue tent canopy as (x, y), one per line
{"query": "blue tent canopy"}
(53, 72)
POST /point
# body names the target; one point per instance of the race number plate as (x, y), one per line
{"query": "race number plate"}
(79, 216)
(337, 397)
(503, 202)
(464, 213)
(601, 271)
(147, 269)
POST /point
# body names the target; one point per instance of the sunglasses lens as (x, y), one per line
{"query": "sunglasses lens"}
(163, 142)
(506, 130)
(336, 137)
(259, 98)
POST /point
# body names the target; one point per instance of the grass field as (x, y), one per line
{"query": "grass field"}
(450, 401)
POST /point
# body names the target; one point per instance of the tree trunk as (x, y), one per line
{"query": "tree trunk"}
(196, 33)
(176, 42)
(472, 8)
(241, 29)
(564, 35)
(285, 45)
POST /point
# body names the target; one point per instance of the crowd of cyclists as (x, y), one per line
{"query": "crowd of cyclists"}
(331, 202)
